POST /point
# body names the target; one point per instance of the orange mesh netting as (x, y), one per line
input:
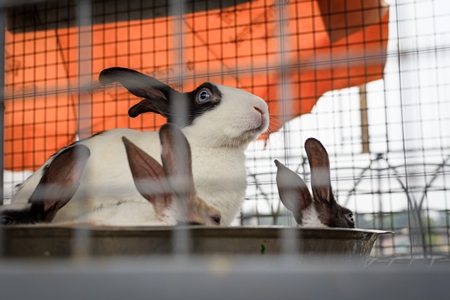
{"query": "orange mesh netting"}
(327, 45)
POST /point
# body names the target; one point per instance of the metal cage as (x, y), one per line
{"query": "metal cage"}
(370, 79)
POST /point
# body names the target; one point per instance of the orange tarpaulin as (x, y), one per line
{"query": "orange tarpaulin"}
(313, 45)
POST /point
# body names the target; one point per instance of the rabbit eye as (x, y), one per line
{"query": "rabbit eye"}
(203, 96)
(216, 219)
(6, 220)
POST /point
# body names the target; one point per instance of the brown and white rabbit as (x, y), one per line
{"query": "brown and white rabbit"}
(218, 121)
(56, 187)
(321, 209)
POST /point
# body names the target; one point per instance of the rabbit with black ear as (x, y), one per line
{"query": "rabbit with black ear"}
(218, 121)
(56, 187)
(321, 209)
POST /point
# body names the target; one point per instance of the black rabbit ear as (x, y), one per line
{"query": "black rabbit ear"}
(154, 92)
(330, 212)
(177, 164)
(320, 170)
(59, 183)
(150, 105)
(294, 193)
(148, 177)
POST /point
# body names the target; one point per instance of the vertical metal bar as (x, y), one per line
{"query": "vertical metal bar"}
(289, 241)
(84, 68)
(288, 236)
(2, 97)
(82, 234)
(380, 199)
(409, 117)
(181, 239)
(176, 11)
(283, 85)
(364, 119)
(2, 111)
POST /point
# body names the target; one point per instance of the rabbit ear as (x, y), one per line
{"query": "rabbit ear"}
(148, 177)
(320, 170)
(293, 191)
(330, 213)
(154, 92)
(150, 105)
(328, 209)
(59, 183)
(177, 164)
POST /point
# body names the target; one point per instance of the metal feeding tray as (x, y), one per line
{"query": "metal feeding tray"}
(62, 241)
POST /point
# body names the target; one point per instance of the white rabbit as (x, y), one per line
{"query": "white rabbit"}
(321, 209)
(56, 187)
(218, 121)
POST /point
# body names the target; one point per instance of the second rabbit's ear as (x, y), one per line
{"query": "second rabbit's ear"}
(59, 183)
(294, 193)
(149, 178)
(176, 158)
(320, 170)
(329, 211)
(177, 164)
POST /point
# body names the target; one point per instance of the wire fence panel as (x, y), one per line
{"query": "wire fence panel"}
(368, 78)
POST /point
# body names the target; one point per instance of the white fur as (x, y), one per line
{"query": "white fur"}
(311, 218)
(218, 139)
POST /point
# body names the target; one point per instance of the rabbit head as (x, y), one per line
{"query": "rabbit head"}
(170, 187)
(213, 115)
(321, 209)
(58, 184)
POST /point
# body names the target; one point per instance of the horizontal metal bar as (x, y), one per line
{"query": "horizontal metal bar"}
(218, 278)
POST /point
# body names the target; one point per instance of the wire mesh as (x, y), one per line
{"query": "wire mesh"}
(372, 88)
